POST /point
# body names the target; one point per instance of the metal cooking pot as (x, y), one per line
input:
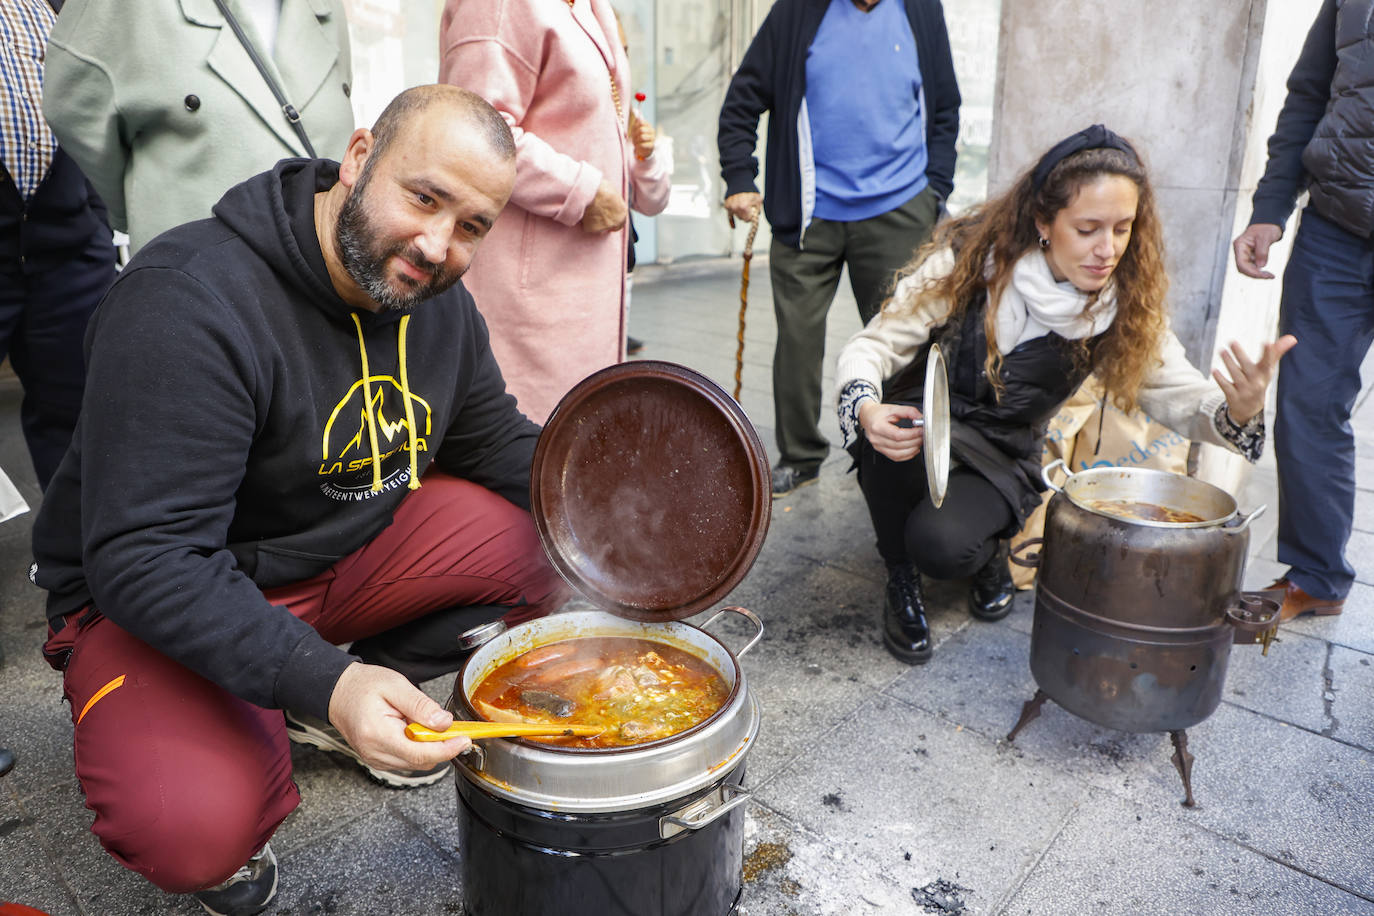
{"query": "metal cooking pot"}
(650, 493)
(1134, 619)
(613, 779)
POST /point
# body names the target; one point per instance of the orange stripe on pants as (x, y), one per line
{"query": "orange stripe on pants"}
(113, 685)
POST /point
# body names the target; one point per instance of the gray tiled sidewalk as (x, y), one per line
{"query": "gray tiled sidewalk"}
(879, 788)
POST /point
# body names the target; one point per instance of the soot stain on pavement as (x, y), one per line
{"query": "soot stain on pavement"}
(940, 896)
(13, 824)
(1112, 749)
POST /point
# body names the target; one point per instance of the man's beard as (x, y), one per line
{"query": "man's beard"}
(365, 256)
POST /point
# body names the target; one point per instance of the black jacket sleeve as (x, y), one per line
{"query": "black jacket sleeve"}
(167, 423)
(1309, 90)
(750, 94)
(942, 101)
(489, 442)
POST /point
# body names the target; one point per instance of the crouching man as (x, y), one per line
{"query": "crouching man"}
(294, 437)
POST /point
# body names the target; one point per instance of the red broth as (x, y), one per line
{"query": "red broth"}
(1143, 511)
(638, 690)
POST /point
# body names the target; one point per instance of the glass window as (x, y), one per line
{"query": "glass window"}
(682, 55)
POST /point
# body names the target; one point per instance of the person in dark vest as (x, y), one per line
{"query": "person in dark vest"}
(1321, 144)
(1061, 276)
(57, 255)
(860, 162)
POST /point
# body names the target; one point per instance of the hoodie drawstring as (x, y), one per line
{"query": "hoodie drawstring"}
(405, 396)
(371, 414)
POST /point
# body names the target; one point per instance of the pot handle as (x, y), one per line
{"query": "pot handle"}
(1045, 474)
(1242, 523)
(474, 757)
(747, 615)
(703, 811)
(481, 634)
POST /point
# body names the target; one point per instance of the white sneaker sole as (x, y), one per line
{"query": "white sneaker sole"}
(303, 733)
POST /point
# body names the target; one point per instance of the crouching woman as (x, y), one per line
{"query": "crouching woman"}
(1061, 276)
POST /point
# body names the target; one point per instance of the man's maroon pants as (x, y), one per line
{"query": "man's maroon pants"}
(186, 780)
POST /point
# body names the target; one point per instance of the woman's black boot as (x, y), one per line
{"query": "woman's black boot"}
(905, 630)
(992, 590)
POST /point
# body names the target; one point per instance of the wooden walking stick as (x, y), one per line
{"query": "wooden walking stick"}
(744, 301)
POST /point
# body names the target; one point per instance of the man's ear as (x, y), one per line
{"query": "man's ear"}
(360, 147)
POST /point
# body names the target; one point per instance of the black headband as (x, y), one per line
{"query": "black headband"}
(1095, 137)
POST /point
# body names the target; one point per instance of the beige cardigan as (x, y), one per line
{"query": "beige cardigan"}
(164, 111)
(1174, 392)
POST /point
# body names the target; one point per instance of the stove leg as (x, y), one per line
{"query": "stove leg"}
(1029, 711)
(1183, 761)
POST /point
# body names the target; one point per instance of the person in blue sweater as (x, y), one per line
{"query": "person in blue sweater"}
(864, 113)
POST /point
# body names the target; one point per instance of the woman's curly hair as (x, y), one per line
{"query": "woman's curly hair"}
(989, 240)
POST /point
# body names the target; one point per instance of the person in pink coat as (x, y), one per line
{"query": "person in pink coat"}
(550, 281)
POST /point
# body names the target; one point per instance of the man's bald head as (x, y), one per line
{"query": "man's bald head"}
(439, 101)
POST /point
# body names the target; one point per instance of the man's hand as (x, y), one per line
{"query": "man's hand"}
(371, 707)
(900, 443)
(1248, 381)
(1251, 248)
(743, 206)
(607, 211)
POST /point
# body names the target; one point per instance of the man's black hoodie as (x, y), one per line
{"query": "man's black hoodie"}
(226, 440)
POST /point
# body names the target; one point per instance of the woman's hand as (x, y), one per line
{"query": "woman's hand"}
(607, 211)
(880, 425)
(1248, 381)
(642, 136)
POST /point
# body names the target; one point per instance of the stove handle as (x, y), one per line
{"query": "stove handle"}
(747, 615)
(1045, 474)
(1255, 619)
(703, 811)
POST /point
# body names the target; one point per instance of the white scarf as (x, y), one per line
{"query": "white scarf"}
(1034, 304)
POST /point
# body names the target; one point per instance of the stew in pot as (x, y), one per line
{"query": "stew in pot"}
(1142, 511)
(638, 690)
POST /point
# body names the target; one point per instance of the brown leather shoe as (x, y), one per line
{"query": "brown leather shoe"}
(1297, 602)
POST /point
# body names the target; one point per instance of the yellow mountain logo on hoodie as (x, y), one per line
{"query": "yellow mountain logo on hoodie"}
(346, 455)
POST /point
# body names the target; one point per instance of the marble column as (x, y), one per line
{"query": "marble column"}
(1197, 87)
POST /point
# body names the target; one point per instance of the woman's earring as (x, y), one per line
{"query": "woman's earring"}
(1044, 242)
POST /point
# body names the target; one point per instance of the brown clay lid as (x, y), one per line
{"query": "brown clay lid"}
(650, 490)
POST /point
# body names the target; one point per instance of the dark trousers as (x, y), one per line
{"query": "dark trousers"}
(804, 284)
(951, 542)
(43, 319)
(1328, 304)
(186, 780)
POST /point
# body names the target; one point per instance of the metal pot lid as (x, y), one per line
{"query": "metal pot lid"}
(935, 411)
(650, 490)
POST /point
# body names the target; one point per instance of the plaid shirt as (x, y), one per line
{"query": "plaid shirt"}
(27, 143)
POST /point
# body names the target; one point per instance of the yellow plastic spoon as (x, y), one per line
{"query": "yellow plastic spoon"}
(466, 729)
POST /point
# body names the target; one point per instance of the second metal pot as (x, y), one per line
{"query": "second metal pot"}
(1134, 620)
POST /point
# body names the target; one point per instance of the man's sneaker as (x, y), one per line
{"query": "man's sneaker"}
(304, 729)
(248, 890)
(787, 478)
